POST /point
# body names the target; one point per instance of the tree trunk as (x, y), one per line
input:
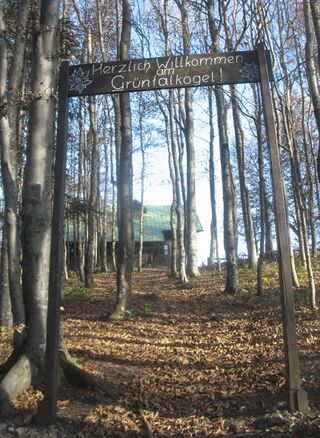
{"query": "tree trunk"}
(214, 246)
(262, 190)
(315, 12)
(311, 69)
(174, 246)
(191, 219)
(36, 205)
(179, 119)
(80, 256)
(10, 85)
(115, 153)
(268, 224)
(296, 191)
(142, 179)
(229, 203)
(173, 211)
(103, 241)
(125, 216)
(5, 303)
(288, 119)
(104, 208)
(179, 197)
(113, 227)
(241, 159)
(80, 219)
(92, 204)
(244, 190)
(309, 170)
(191, 214)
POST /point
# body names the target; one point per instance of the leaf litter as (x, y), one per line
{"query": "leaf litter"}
(185, 362)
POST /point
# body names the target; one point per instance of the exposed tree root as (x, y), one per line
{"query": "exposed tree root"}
(9, 363)
(27, 370)
(116, 316)
(72, 374)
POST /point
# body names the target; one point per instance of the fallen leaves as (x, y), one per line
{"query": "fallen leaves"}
(199, 364)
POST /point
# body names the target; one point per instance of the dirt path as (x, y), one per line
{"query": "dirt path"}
(185, 363)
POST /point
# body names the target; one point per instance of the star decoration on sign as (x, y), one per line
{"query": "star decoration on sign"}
(79, 80)
(250, 71)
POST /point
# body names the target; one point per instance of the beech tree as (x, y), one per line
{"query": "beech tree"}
(191, 226)
(241, 151)
(125, 213)
(315, 12)
(5, 302)
(36, 205)
(94, 169)
(169, 108)
(214, 244)
(11, 82)
(228, 187)
(311, 18)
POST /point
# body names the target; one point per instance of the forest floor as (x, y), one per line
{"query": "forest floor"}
(185, 362)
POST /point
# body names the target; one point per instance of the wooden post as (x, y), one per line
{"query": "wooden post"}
(46, 414)
(298, 399)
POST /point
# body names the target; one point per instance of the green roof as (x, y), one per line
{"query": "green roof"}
(156, 219)
(156, 224)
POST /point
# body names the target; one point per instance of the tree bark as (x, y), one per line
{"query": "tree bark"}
(241, 159)
(214, 244)
(244, 190)
(173, 211)
(5, 303)
(285, 103)
(125, 216)
(36, 204)
(262, 190)
(191, 219)
(229, 203)
(104, 213)
(80, 220)
(92, 203)
(142, 179)
(115, 178)
(315, 12)
(10, 85)
(311, 69)
(179, 196)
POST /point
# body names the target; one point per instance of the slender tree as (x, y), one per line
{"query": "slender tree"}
(168, 107)
(311, 66)
(241, 156)
(93, 197)
(228, 187)
(214, 245)
(315, 11)
(191, 226)
(125, 214)
(11, 81)
(142, 183)
(5, 302)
